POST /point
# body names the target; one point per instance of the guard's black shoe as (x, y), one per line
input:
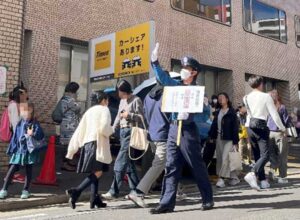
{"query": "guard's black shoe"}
(207, 206)
(97, 202)
(74, 195)
(160, 210)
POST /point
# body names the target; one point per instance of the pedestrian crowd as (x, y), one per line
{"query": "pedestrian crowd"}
(252, 134)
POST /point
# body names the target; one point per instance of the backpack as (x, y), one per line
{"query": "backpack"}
(58, 114)
(5, 128)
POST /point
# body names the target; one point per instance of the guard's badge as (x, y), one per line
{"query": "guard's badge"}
(185, 60)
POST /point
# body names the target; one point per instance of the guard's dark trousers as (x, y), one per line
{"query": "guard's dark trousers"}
(190, 151)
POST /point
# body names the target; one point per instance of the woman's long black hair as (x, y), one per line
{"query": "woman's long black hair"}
(97, 97)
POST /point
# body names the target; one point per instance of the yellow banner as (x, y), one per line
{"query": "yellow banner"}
(132, 55)
(102, 55)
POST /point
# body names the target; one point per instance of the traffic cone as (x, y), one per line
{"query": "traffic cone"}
(48, 174)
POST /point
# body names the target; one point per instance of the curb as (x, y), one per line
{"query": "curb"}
(50, 200)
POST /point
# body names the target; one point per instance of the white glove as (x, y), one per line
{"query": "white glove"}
(183, 116)
(154, 56)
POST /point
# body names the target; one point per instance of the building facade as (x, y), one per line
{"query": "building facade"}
(231, 38)
(11, 26)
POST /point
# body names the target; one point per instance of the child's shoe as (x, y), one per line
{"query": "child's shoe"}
(3, 194)
(25, 194)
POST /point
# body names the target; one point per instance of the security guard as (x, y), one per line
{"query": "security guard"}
(189, 149)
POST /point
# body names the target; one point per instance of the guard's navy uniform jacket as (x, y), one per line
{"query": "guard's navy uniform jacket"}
(189, 150)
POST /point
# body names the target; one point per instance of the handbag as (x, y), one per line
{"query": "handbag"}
(139, 139)
(255, 123)
(235, 160)
(36, 145)
(291, 130)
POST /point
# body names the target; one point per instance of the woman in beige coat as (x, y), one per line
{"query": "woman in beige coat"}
(92, 137)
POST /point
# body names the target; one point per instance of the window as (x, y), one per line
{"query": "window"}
(297, 28)
(218, 10)
(73, 66)
(264, 20)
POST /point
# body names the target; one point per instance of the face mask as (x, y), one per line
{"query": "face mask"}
(185, 74)
(215, 101)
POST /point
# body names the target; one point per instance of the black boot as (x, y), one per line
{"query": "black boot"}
(74, 195)
(97, 202)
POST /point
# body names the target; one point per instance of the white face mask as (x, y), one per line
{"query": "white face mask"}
(185, 74)
(215, 101)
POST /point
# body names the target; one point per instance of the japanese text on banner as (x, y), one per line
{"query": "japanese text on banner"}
(132, 51)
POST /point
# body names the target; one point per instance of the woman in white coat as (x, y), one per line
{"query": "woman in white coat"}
(92, 137)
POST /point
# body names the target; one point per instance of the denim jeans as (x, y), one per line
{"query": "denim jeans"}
(123, 165)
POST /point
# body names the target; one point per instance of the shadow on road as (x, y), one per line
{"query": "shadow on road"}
(292, 204)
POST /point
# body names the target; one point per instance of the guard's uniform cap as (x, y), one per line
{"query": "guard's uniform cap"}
(191, 62)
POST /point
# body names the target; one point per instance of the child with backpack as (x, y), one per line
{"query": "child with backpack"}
(23, 148)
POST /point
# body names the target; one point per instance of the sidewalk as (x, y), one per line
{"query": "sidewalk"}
(48, 195)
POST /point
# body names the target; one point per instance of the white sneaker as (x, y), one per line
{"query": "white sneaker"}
(220, 183)
(137, 200)
(264, 184)
(181, 196)
(250, 178)
(282, 180)
(234, 181)
(108, 196)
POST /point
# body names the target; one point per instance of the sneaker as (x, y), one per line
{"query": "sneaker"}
(282, 180)
(3, 194)
(264, 184)
(108, 196)
(250, 178)
(220, 183)
(234, 181)
(25, 194)
(207, 206)
(181, 196)
(137, 200)
(271, 175)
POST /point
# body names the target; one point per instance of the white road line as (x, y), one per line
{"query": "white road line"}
(28, 216)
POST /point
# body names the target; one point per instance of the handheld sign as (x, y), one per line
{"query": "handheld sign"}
(183, 99)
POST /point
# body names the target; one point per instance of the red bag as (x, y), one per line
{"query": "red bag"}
(5, 131)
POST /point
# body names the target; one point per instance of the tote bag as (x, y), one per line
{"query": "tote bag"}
(235, 160)
(139, 139)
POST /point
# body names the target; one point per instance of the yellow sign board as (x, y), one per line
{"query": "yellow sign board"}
(102, 55)
(123, 53)
(132, 51)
